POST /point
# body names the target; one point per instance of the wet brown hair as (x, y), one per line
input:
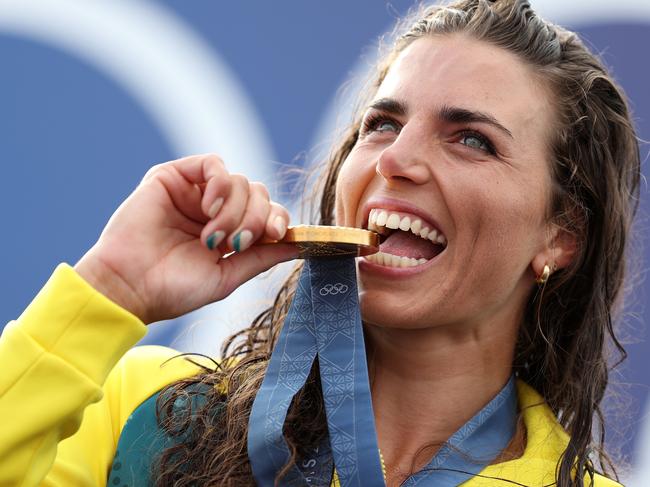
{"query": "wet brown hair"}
(567, 333)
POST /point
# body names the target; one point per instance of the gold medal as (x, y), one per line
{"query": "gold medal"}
(326, 241)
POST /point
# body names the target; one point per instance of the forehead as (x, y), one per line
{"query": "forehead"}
(459, 71)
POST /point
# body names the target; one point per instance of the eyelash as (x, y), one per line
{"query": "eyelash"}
(371, 122)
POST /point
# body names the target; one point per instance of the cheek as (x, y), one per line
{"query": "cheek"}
(503, 223)
(351, 184)
(515, 234)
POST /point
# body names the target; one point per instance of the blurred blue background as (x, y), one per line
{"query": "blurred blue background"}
(94, 93)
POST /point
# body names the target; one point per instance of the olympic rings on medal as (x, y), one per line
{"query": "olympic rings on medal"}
(333, 289)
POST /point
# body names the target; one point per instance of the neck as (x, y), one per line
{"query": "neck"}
(427, 383)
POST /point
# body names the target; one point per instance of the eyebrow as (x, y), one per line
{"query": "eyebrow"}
(446, 113)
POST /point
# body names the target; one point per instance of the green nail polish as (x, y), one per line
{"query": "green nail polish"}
(236, 242)
(210, 242)
(215, 239)
(242, 240)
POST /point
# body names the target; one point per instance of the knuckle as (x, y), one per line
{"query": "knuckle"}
(221, 184)
(162, 171)
(239, 180)
(278, 209)
(153, 170)
(212, 158)
(260, 188)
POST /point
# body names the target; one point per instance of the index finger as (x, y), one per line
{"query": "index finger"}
(199, 169)
(209, 173)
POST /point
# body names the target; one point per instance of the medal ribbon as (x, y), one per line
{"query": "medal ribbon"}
(324, 321)
(474, 445)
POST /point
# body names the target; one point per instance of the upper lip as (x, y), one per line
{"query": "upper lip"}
(400, 206)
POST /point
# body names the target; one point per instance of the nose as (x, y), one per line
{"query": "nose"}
(404, 160)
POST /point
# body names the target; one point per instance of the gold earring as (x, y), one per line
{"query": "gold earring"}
(546, 273)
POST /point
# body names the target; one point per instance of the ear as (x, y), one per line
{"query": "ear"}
(559, 250)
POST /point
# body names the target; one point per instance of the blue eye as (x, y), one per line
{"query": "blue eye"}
(379, 123)
(474, 140)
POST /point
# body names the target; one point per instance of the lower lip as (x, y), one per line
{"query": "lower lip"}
(382, 270)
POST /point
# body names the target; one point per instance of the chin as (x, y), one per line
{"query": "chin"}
(387, 313)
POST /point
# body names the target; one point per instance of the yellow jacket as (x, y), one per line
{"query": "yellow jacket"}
(70, 380)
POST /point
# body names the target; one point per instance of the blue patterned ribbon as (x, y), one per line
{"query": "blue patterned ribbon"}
(474, 445)
(344, 372)
(287, 372)
(324, 321)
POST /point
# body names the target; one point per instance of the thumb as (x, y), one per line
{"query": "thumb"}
(240, 267)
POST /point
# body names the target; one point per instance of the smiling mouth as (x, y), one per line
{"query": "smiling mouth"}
(405, 239)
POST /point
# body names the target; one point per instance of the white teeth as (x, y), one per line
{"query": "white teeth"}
(393, 221)
(405, 224)
(381, 218)
(391, 260)
(372, 219)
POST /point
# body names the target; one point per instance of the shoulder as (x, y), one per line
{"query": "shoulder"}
(602, 481)
(145, 361)
(136, 379)
(144, 371)
(546, 441)
(547, 438)
(142, 439)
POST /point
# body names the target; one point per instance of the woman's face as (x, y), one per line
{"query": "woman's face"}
(456, 138)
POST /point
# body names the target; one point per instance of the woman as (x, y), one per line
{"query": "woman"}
(493, 149)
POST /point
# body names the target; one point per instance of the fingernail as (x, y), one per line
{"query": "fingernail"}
(216, 206)
(215, 239)
(242, 240)
(279, 225)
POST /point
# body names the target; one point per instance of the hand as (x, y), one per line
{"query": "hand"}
(162, 252)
